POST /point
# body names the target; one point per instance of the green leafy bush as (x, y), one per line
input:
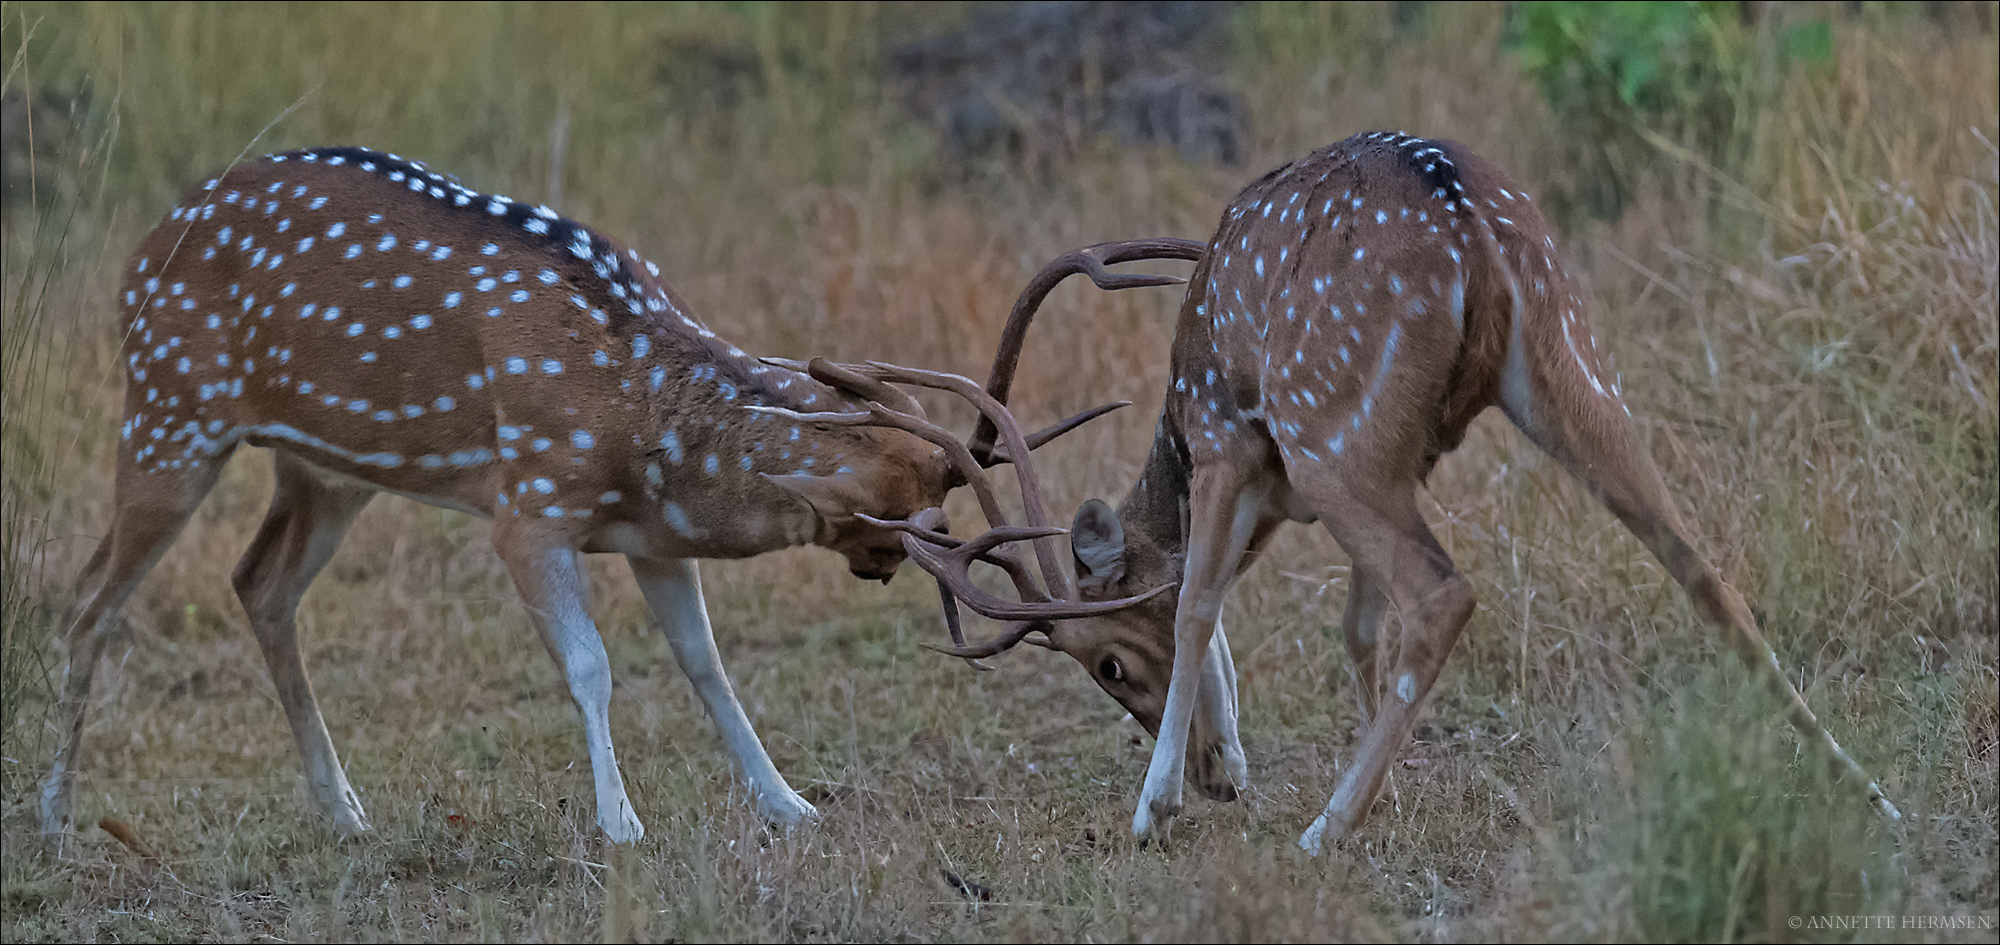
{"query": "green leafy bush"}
(1692, 73)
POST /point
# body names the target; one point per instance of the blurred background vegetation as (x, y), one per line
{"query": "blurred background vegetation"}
(1783, 214)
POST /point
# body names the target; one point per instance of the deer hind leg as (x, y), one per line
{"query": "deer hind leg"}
(1223, 513)
(88, 579)
(673, 592)
(149, 510)
(307, 519)
(1361, 626)
(551, 584)
(1404, 564)
(1570, 415)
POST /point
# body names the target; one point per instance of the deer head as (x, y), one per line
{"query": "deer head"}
(1124, 591)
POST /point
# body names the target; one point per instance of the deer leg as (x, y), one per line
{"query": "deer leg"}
(149, 511)
(673, 591)
(551, 584)
(1433, 602)
(1223, 515)
(1215, 752)
(307, 519)
(90, 577)
(1586, 432)
(1361, 625)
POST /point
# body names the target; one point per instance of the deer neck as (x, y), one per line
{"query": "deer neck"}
(706, 451)
(1152, 513)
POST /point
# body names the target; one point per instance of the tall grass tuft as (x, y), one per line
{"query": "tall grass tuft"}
(36, 253)
(1730, 833)
(26, 494)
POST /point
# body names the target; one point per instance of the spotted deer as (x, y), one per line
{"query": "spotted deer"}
(383, 328)
(1352, 314)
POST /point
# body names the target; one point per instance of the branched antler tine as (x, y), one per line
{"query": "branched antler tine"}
(859, 383)
(1134, 280)
(932, 522)
(878, 415)
(912, 528)
(1018, 573)
(952, 571)
(949, 604)
(1041, 437)
(1152, 247)
(1015, 634)
(978, 546)
(1090, 260)
(1024, 584)
(1046, 555)
(875, 374)
(954, 451)
(983, 549)
(995, 537)
(845, 418)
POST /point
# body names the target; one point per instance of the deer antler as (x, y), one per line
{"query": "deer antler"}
(932, 521)
(1090, 261)
(949, 559)
(950, 565)
(855, 378)
(983, 447)
(997, 439)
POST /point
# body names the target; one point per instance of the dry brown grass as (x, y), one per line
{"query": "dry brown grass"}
(1810, 343)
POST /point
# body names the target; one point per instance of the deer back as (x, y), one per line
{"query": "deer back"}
(1352, 314)
(391, 325)
(1364, 299)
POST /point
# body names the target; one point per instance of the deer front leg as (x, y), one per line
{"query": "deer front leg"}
(551, 585)
(673, 591)
(1215, 754)
(1223, 517)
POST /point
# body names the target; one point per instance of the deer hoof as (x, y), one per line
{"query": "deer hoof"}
(352, 824)
(1153, 822)
(788, 810)
(622, 829)
(1235, 767)
(349, 820)
(1325, 833)
(1218, 771)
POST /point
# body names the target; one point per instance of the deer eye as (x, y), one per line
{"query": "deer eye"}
(1111, 669)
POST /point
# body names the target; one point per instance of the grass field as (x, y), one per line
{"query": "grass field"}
(1795, 274)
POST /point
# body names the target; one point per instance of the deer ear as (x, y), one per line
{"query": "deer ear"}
(829, 497)
(1098, 541)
